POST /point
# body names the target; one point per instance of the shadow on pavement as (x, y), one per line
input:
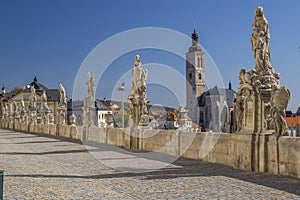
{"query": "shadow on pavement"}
(183, 168)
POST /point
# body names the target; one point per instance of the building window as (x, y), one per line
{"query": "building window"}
(190, 75)
(200, 76)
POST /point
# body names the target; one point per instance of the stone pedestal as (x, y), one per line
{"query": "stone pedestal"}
(89, 112)
(62, 113)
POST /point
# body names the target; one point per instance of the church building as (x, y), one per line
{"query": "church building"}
(211, 109)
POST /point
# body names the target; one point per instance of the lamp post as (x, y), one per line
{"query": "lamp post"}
(122, 89)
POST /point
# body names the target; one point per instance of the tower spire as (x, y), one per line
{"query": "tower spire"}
(3, 89)
(195, 36)
(35, 79)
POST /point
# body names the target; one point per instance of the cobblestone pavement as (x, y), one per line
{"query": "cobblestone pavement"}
(44, 167)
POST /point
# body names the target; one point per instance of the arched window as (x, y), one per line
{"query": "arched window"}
(200, 76)
(201, 62)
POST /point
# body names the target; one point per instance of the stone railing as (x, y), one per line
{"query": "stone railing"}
(251, 152)
(294, 131)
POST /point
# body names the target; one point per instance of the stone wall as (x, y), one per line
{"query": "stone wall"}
(251, 152)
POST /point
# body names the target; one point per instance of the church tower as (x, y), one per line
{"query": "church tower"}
(195, 76)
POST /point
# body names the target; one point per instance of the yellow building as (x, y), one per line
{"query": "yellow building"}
(52, 98)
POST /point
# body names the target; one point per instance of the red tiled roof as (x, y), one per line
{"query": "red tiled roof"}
(194, 125)
(292, 120)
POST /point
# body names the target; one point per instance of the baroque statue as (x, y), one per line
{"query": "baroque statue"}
(279, 101)
(137, 98)
(89, 115)
(259, 105)
(265, 78)
(45, 108)
(23, 111)
(63, 97)
(32, 99)
(62, 110)
(91, 86)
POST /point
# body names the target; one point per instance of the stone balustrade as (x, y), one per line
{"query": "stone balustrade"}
(251, 152)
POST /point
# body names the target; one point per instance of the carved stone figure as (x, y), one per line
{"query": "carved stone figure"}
(72, 119)
(109, 119)
(239, 112)
(22, 111)
(89, 112)
(279, 101)
(45, 108)
(260, 45)
(137, 99)
(91, 86)
(260, 39)
(3, 112)
(16, 112)
(6, 111)
(255, 107)
(51, 118)
(62, 116)
(63, 96)
(33, 117)
(32, 99)
(44, 101)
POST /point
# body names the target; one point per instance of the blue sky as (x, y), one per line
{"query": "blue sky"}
(51, 39)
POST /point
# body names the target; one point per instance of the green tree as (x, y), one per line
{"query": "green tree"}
(119, 119)
(16, 90)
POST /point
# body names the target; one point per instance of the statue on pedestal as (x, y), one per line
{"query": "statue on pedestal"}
(63, 97)
(45, 109)
(3, 113)
(260, 46)
(109, 119)
(182, 119)
(256, 107)
(89, 111)
(32, 106)
(51, 118)
(72, 119)
(16, 112)
(91, 86)
(32, 98)
(137, 99)
(23, 111)
(62, 106)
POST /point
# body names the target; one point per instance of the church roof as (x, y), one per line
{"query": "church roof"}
(6, 96)
(37, 85)
(52, 94)
(215, 91)
(102, 106)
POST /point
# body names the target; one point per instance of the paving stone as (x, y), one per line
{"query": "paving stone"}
(43, 167)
